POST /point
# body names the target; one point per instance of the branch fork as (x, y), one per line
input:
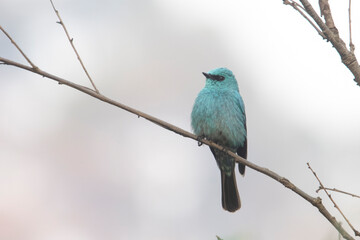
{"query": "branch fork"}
(329, 31)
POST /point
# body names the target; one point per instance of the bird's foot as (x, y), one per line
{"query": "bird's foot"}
(199, 138)
(225, 149)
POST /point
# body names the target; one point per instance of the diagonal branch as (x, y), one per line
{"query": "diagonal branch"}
(348, 58)
(316, 202)
(18, 48)
(300, 9)
(357, 233)
(71, 40)
(326, 12)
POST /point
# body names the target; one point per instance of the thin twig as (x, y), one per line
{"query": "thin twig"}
(300, 9)
(351, 45)
(339, 191)
(71, 40)
(18, 48)
(357, 233)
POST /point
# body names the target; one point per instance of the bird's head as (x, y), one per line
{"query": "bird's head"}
(221, 78)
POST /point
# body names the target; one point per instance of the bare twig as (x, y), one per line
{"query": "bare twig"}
(357, 233)
(351, 45)
(18, 48)
(71, 40)
(300, 9)
(337, 190)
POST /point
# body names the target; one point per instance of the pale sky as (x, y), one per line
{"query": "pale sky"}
(75, 168)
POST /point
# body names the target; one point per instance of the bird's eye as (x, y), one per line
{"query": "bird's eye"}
(221, 78)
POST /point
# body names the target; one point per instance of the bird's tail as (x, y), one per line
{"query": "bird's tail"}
(230, 195)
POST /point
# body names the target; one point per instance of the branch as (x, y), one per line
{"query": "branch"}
(18, 48)
(330, 32)
(337, 190)
(326, 12)
(316, 202)
(357, 233)
(71, 40)
(351, 45)
(300, 9)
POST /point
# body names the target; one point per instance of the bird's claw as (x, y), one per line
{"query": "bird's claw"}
(199, 138)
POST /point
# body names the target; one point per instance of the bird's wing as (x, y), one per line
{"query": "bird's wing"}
(242, 150)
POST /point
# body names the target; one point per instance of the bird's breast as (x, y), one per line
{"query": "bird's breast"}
(218, 117)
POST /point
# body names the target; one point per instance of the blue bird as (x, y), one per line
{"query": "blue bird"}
(219, 115)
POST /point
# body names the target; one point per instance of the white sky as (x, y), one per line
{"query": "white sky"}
(72, 167)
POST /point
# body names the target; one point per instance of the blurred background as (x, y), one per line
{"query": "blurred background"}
(75, 168)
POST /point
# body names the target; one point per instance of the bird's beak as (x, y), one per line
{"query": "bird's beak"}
(206, 75)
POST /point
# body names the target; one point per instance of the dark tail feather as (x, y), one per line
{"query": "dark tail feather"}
(230, 195)
(242, 152)
(241, 168)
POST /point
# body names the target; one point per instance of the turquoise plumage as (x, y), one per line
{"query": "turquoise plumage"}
(219, 115)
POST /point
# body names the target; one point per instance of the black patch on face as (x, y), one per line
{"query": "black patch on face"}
(218, 78)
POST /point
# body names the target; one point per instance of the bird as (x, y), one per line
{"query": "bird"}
(218, 115)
